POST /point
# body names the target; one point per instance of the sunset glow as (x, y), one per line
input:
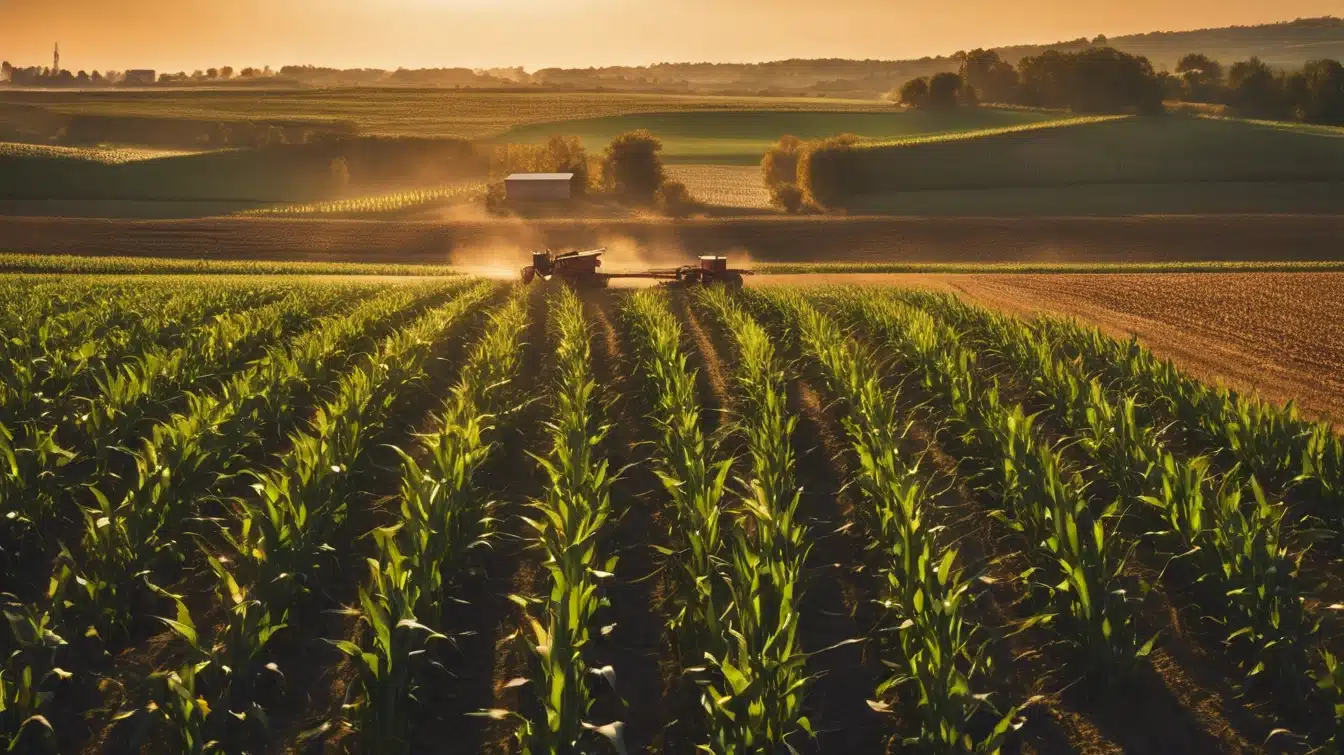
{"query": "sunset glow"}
(572, 33)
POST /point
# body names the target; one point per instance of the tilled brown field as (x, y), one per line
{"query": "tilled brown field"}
(772, 239)
(1275, 332)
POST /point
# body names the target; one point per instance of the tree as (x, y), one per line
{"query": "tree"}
(915, 92)
(988, 77)
(1319, 98)
(212, 73)
(226, 72)
(248, 72)
(1255, 90)
(632, 167)
(1201, 77)
(566, 154)
(98, 77)
(944, 90)
(6, 71)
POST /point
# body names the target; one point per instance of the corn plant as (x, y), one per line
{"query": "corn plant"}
(1330, 681)
(208, 704)
(933, 647)
(377, 706)
(29, 679)
(569, 523)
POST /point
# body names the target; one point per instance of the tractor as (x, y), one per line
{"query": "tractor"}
(580, 269)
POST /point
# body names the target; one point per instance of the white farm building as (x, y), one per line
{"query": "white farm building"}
(525, 187)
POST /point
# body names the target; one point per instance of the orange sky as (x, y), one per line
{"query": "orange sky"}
(191, 34)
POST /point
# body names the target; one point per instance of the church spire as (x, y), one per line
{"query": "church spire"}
(56, 60)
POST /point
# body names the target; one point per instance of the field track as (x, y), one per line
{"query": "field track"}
(1275, 332)
(774, 239)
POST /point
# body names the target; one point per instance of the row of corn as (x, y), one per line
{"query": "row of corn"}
(933, 647)
(442, 519)
(569, 523)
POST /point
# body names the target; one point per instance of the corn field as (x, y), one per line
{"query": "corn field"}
(277, 514)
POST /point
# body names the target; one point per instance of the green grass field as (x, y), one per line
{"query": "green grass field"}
(402, 112)
(740, 138)
(1138, 165)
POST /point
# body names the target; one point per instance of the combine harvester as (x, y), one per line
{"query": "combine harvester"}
(580, 269)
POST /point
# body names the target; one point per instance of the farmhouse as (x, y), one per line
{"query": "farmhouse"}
(140, 76)
(526, 187)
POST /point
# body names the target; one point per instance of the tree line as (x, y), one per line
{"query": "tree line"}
(1313, 94)
(45, 76)
(1106, 80)
(1095, 80)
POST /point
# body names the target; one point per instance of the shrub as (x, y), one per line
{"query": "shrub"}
(787, 197)
(674, 200)
(780, 164)
(632, 168)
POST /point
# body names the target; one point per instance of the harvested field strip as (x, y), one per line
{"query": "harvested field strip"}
(1029, 268)
(773, 238)
(59, 264)
(41, 266)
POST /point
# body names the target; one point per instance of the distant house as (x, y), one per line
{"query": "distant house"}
(531, 187)
(140, 76)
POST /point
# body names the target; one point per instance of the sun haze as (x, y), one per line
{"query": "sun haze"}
(573, 33)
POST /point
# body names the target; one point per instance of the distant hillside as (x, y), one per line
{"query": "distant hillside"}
(1284, 45)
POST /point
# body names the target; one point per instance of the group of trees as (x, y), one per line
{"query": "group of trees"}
(630, 170)
(1096, 80)
(942, 90)
(43, 76)
(1106, 80)
(1314, 94)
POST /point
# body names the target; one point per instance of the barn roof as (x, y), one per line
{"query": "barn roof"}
(541, 177)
